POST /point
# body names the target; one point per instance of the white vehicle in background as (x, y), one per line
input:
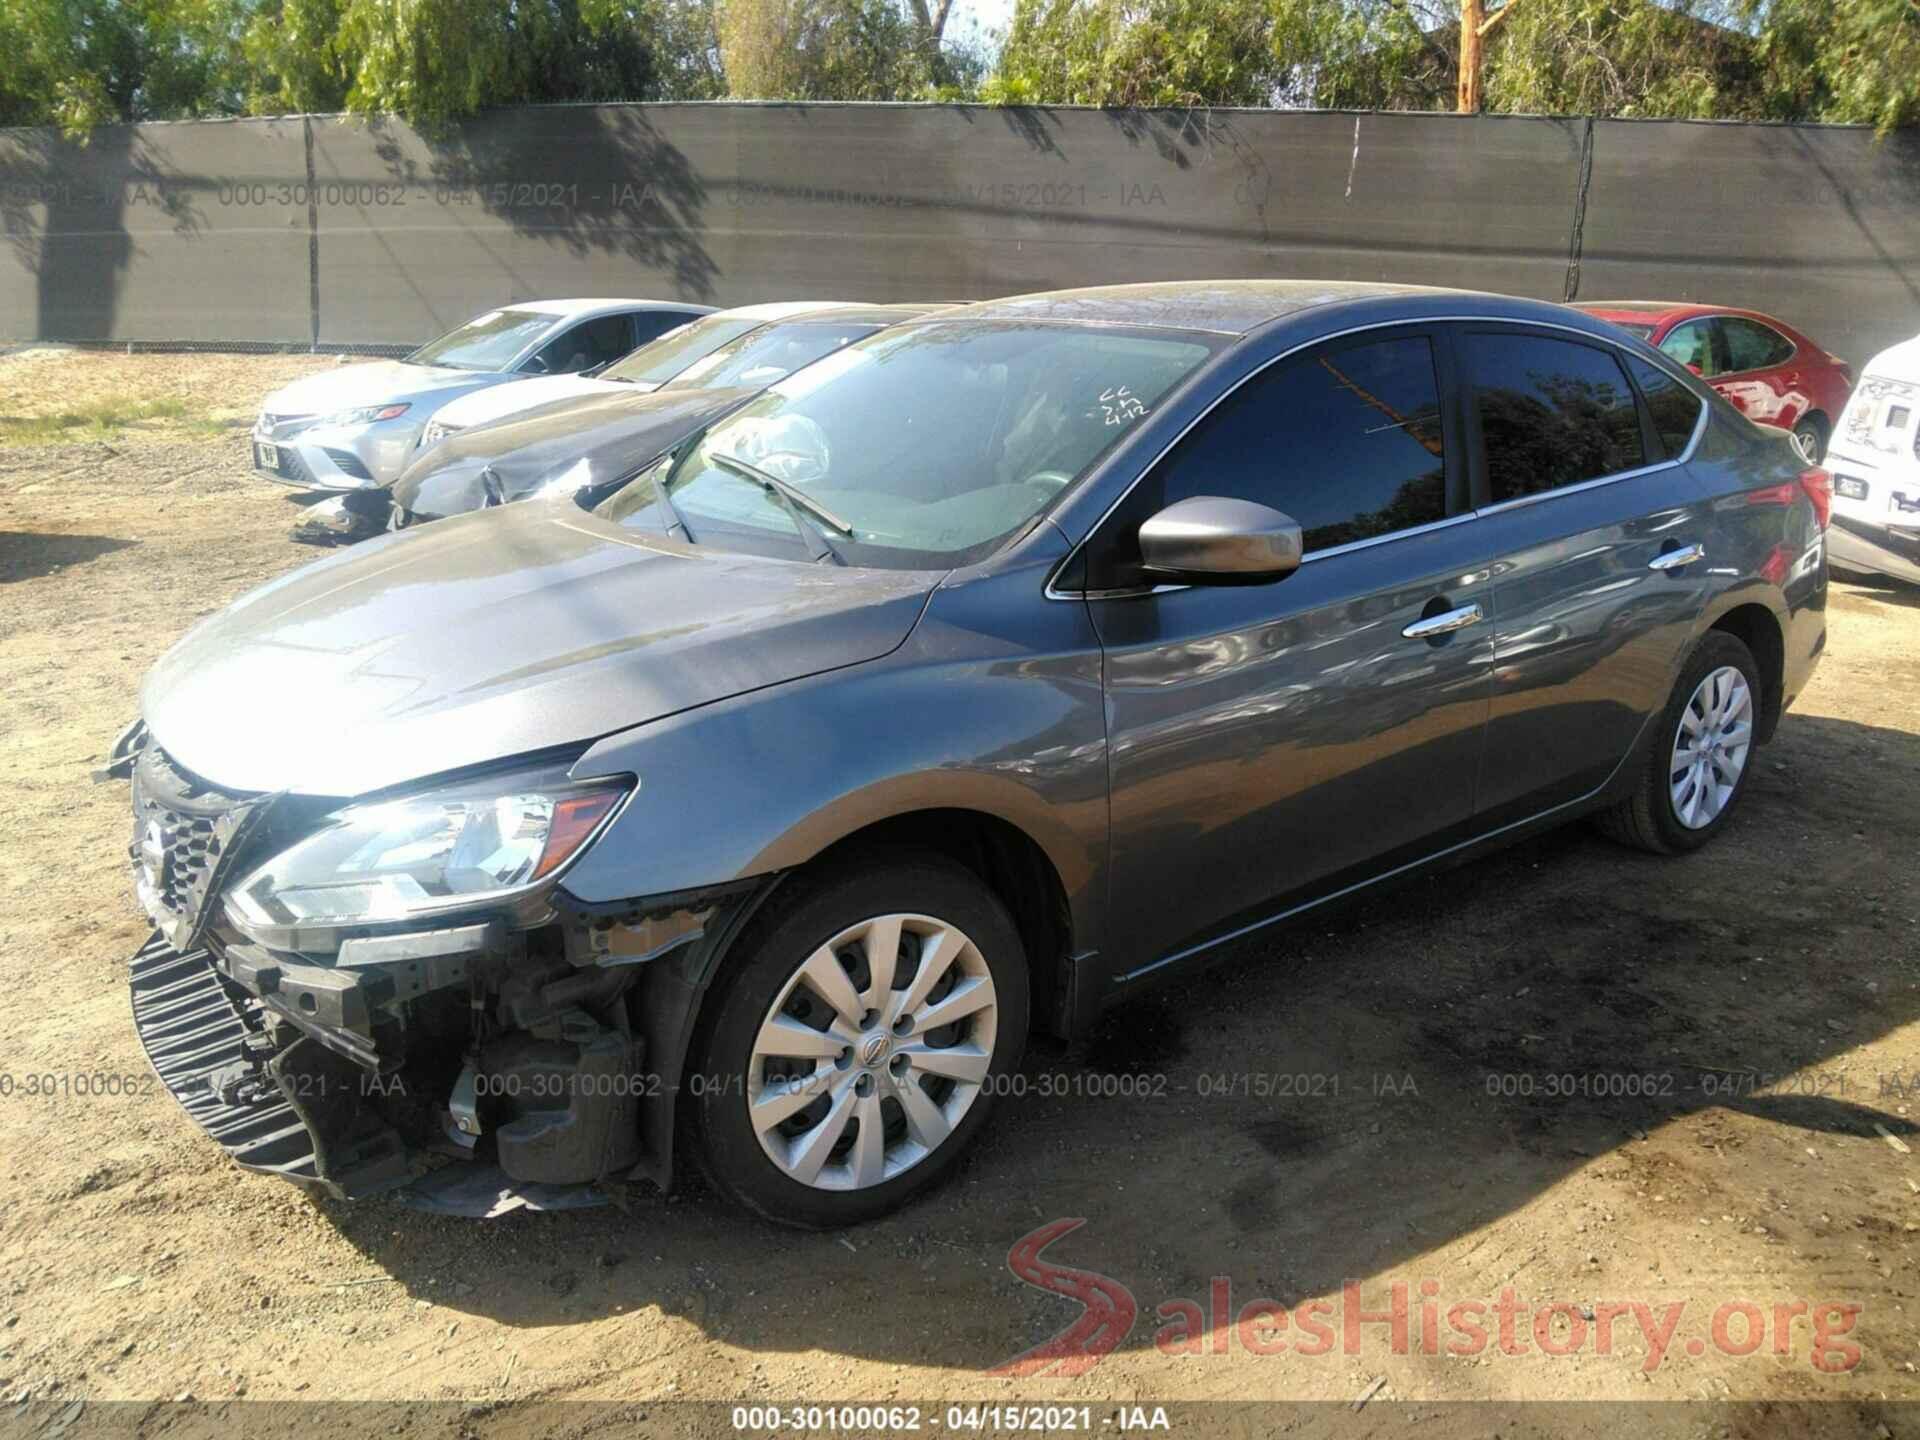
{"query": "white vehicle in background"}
(647, 368)
(1874, 458)
(355, 428)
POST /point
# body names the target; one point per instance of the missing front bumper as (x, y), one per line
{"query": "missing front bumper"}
(289, 1111)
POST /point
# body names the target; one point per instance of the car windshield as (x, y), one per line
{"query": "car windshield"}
(769, 354)
(931, 443)
(489, 342)
(671, 353)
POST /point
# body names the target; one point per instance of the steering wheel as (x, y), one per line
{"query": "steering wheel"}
(1051, 480)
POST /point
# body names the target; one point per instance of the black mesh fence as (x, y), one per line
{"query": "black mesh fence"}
(335, 234)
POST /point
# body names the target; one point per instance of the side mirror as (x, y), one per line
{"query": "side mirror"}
(1696, 369)
(1210, 540)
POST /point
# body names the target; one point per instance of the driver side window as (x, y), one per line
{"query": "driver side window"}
(1346, 439)
(593, 342)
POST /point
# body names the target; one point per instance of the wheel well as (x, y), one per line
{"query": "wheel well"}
(1008, 862)
(1818, 417)
(1755, 627)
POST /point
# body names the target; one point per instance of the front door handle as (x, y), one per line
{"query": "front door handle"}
(1444, 623)
(1676, 559)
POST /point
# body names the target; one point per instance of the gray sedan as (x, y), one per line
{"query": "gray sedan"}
(355, 428)
(986, 674)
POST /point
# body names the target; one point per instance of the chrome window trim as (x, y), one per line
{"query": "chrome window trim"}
(1693, 443)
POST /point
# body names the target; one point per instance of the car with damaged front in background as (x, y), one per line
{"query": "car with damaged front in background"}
(981, 676)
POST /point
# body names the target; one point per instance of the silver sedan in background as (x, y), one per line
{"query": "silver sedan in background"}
(356, 427)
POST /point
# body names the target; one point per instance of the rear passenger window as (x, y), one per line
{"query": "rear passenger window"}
(1674, 408)
(650, 325)
(1552, 413)
(1347, 441)
(1753, 346)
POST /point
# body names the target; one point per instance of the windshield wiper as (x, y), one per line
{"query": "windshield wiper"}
(666, 503)
(800, 504)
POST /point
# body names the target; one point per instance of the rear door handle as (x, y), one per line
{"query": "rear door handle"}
(1444, 623)
(1676, 559)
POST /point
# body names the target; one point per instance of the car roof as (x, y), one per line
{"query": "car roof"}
(588, 305)
(784, 309)
(1656, 312)
(878, 314)
(1227, 307)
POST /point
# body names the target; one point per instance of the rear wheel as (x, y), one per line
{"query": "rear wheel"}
(1810, 439)
(855, 1050)
(1701, 752)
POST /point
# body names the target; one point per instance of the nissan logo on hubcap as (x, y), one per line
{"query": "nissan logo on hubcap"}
(873, 1049)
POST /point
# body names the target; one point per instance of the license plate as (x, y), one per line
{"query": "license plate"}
(266, 456)
(1849, 488)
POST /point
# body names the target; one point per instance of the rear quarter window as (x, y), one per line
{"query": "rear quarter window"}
(1675, 409)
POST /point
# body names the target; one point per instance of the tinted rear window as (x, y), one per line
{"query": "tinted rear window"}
(1552, 413)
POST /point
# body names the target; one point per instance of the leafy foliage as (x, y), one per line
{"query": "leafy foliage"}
(81, 63)
(821, 50)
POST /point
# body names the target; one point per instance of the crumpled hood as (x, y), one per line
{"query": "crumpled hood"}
(376, 382)
(610, 435)
(492, 635)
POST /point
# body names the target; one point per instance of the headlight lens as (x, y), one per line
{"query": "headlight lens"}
(443, 850)
(367, 414)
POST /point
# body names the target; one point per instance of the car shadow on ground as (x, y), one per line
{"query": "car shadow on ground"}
(1336, 1100)
(26, 556)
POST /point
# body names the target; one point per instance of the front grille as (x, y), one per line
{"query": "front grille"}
(197, 1040)
(287, 462)
(183, 829)
(348, 463)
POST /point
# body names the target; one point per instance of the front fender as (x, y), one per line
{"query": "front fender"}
(992, 704)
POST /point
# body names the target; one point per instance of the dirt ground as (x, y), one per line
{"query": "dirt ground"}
(1471, 1111)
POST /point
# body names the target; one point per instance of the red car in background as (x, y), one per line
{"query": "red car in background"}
(1769, 370)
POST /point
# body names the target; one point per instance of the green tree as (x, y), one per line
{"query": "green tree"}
(433, 61)
(1127, 53)
(826, 50)
(1854, 61)
(82, 63)
(1830, 60)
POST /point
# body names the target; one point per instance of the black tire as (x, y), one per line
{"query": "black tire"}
(1646, 818)
(802, 916)
(1811, 436)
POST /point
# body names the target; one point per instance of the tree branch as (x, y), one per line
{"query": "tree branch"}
(1427, 42)
(1492, 22)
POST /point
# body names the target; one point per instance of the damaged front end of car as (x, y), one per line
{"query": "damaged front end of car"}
(353, 995)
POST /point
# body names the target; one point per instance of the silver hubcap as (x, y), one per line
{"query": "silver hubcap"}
(1807, 445)
(875, 1048)
(1710, 747)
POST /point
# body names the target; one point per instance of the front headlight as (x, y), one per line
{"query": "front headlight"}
(367, 414)
(441, 850)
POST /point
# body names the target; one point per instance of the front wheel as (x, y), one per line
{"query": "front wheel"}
(855, 1049)
(1697, 771)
